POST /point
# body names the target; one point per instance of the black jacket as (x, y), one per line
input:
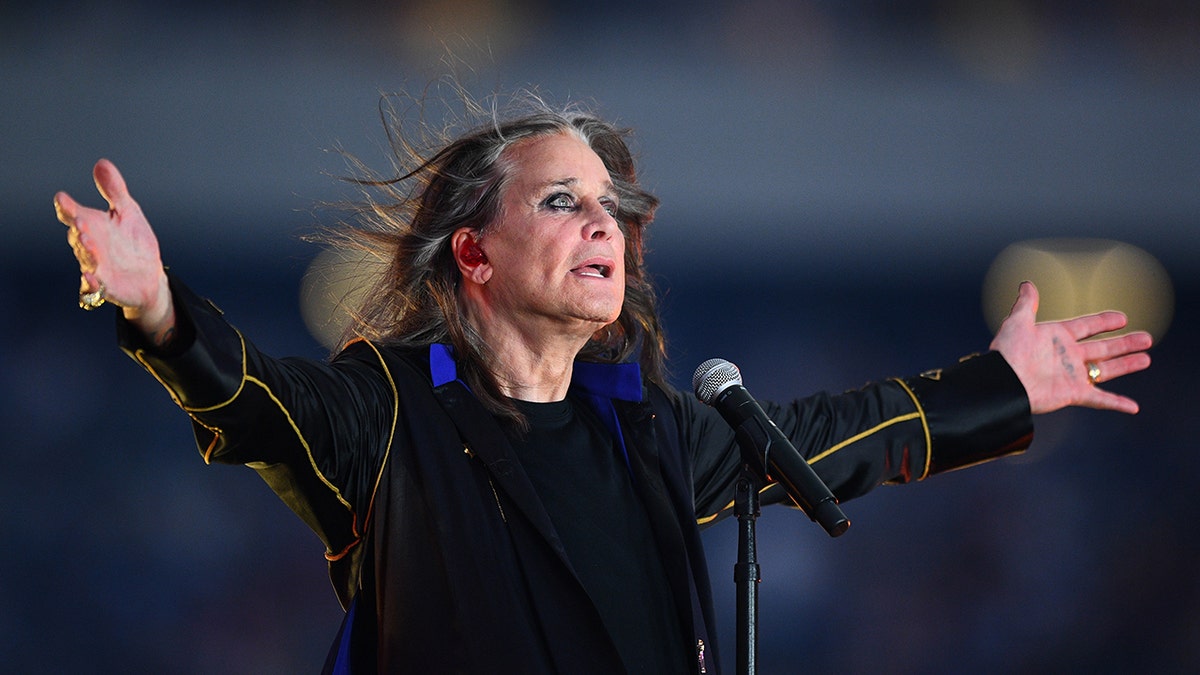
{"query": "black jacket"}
(429, 519)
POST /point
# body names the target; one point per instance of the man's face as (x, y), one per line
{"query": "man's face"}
(556, 251)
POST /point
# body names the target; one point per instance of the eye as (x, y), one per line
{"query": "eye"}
(561, 201)
(610, 205)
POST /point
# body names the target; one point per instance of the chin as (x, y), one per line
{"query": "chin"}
(606, 310)
(614, 314)
(596, 308)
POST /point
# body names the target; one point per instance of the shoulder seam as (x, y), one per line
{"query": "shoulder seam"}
(387, 453)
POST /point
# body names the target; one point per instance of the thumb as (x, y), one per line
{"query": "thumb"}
(1026, 304)
(110, 183)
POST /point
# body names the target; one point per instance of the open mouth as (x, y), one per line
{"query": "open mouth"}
(594, 270)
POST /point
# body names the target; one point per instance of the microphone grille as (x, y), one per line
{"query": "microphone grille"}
(712, 377)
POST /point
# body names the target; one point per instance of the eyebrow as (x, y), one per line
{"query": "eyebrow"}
(609, 188)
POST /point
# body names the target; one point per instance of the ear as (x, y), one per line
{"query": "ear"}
(472, 261)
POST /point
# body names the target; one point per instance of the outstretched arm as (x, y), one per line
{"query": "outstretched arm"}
(118, 256)
(1057, 363)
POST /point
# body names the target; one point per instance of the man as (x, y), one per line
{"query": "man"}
(500, 483)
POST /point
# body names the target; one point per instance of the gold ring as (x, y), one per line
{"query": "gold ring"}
(90, 301)
(1093, 372)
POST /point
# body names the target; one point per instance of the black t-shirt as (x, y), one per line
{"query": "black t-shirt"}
(585, 485)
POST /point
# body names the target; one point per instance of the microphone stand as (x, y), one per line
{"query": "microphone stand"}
(746, 571)
(718, 383)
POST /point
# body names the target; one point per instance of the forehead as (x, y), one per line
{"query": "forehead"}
(556, 158)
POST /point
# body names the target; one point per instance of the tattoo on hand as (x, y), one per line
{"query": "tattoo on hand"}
(1061, 350)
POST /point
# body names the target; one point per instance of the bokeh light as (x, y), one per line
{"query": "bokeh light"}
(333, 287)
(1082, 276)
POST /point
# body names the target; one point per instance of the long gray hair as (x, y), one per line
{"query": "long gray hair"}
(458, 183)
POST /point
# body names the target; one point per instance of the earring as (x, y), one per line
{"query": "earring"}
(472, 255)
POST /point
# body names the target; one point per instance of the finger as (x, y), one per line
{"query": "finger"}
(74, 215)
(75, 240)
(1108, 348)
(79, 246)
(1083, 327)
(1106, 400)
(65, 208)
(1119, 367)
(88, 283)
(110, 183)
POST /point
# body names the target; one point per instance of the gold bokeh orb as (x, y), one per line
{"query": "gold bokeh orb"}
(1082, 276)
(333, 288)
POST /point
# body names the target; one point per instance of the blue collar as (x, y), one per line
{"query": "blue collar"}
(600, 384)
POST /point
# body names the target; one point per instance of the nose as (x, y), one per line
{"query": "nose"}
(600, 223)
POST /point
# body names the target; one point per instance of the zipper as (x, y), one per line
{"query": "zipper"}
(495, 495)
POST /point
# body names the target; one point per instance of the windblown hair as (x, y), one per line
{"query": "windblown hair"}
(458, 183)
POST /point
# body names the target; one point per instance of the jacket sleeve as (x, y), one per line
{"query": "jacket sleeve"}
(316, 432)
(897, 431)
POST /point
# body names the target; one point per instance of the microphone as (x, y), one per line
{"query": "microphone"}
(718, 383)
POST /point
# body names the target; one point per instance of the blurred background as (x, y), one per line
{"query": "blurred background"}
(837, 179)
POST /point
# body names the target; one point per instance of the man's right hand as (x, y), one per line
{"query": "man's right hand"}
(118, 255)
